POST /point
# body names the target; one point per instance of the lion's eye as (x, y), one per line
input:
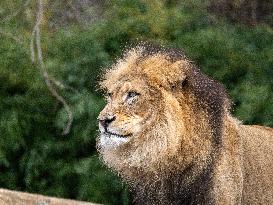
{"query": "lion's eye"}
(108, 95)
(131, 96)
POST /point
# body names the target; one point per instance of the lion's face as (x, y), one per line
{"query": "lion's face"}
(128, 112)
(153, 120)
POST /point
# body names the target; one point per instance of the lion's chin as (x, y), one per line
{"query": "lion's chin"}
(108, 141)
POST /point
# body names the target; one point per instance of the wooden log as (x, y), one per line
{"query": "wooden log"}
(8, 197)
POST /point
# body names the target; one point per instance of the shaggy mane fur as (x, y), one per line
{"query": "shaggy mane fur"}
(184, 146)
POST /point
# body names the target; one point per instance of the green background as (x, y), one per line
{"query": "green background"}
(227, 41)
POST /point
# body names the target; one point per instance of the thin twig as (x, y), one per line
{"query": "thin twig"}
(36, 35)
(62, 85)
(32, 50)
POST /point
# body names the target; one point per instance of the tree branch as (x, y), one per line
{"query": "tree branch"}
(62, 85)
(36, 36)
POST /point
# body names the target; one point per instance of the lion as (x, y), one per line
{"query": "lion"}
(168, 132)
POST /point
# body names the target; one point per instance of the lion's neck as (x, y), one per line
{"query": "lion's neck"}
(172, 189)
(189, 186)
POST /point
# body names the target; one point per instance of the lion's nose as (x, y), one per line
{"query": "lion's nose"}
(107, 120)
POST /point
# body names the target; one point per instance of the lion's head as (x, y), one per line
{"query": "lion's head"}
(162, 113)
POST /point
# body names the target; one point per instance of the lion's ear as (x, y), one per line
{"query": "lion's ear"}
(177, 74)
(165, 73)
(181, 83)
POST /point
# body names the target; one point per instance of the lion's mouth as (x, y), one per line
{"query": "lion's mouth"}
(110, 140)
(108, 133)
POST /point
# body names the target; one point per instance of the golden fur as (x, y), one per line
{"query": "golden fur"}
(167, 131)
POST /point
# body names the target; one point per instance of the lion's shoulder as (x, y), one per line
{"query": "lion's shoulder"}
(258, 129)
(266, 129)
(257, 139)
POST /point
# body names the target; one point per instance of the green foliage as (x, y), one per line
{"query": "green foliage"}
(35, 157)
(244, 11)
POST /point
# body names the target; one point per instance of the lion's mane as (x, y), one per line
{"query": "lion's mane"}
(179, 156)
